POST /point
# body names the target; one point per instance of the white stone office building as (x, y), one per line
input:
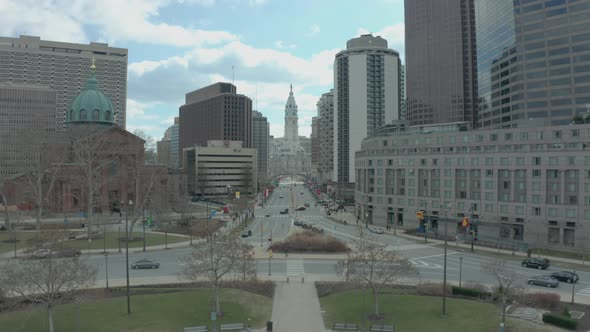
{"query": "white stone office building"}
(366, 97)
(220, 168)
(529, 186)
(64, 68)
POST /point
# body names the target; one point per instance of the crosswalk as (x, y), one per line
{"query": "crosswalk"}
(295, 267)
(584, 291)
(298, 216)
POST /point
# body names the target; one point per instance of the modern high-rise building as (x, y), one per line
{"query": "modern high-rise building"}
(325, 167)
(64, 68)
(27, 118)
(402, 81)
(366, 97)
(260, 134)
(533, 61)
(315, 146)
(215, 112)
(441, 61)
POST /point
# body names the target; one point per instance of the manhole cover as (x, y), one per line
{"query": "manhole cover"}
(576, 314)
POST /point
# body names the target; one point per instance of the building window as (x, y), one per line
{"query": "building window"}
(107, 115)
(83, 114)
(553, 161)
(552, 212)
(537, 161)
(570, 213)
(71, 115)
(536, 198)
(536, 211)
(503, 208)
(95, 115)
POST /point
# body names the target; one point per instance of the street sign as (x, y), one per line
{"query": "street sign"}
(270, 253)
(213, 315)
(213, 213)
(237, 194)
(420, 215)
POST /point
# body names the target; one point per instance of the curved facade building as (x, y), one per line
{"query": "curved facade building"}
(366, 97)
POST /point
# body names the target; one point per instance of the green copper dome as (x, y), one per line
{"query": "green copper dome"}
(91, 106)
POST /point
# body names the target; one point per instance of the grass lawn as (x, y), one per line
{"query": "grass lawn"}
(149, 313)
(22, 238)
(414, 313)
(112, 240)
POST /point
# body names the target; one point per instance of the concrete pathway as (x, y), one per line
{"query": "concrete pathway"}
(296, 308)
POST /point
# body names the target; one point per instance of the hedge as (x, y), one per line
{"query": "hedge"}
(470, 292)
(560, 320)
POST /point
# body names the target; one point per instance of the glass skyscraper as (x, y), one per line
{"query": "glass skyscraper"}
(533, 59)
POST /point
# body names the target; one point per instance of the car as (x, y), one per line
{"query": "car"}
(307, 226)
(546, 281)
(566, 276)
(376, 230)
(280, 196)
(301, 208)
(267, 215)
(301, 193)
(298, 222)
(68, 252)
(285, 211)
(317, 228)
(306, 205)
(247, 233)
(145, 264)
(536, 263)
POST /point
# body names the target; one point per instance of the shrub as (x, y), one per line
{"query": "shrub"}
(549, 301)
(566, 312)
(309, 242)
(468, 292)
(476, 286)
(432, 289)
(560, 320)
(325, 288)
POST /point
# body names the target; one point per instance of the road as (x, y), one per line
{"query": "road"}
(427, 258)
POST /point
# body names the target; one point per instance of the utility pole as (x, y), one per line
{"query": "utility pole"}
(127, 256)
(445, 207)
(574, 286)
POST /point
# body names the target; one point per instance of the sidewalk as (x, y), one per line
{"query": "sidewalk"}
(351, 219)
(296, 308)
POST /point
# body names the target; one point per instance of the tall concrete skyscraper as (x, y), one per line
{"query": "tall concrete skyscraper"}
(533, 61)
(325, 167)
(215, 112)
(260, 139)
(441, 64)
(366, 96)
(64, 68)
(402, 81)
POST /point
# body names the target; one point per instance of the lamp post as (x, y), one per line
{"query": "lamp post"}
(446, 206)
(573, 286)
(460, 269)
(144, 222)
(127, 255)
(106, 265)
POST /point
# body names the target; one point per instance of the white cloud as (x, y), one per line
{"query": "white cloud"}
(204, 3)
(257, 2)
(115, 20)
(281, 44)
(313, 29)
(277, 129)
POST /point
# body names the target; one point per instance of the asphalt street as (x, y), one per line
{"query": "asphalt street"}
(427, 258)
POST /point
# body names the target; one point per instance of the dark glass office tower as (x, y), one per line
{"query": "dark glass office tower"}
(441, 65)
(533, 60)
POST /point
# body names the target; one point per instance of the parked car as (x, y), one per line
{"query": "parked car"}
(298, 222)
(145, 264)
(536, 263)
(247, 233)
(41, 253)
(301, 208)
(301, 193)
(285, 211)
(566, 276)
(267, 215)
(546, 281)
(306, 205)
(280, 196)
(376, 230)
(307, 226)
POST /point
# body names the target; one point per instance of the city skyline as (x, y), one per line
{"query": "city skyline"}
(182, 46)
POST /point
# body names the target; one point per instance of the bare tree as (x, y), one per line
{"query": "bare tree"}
(245, 263)
(212, 261)
(47, 281)
(151, 155)
(93, 154)
(374, 266)
(505, 276)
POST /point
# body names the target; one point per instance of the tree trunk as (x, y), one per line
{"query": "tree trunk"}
(50, 315)
(131, 227)
(89, 199)
(6, 215)
(39, 213)
(217, 307)
(376, 300)
(504, 311)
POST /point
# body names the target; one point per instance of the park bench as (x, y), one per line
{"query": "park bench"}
(196, 329)
(382, 328)
(232, 327)
(345, 327)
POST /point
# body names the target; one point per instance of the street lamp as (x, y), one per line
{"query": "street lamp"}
(446, 207)
(127, 254)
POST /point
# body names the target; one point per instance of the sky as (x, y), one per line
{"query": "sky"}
(178, 46)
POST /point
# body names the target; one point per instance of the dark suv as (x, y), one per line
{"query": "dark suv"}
(536, 263)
